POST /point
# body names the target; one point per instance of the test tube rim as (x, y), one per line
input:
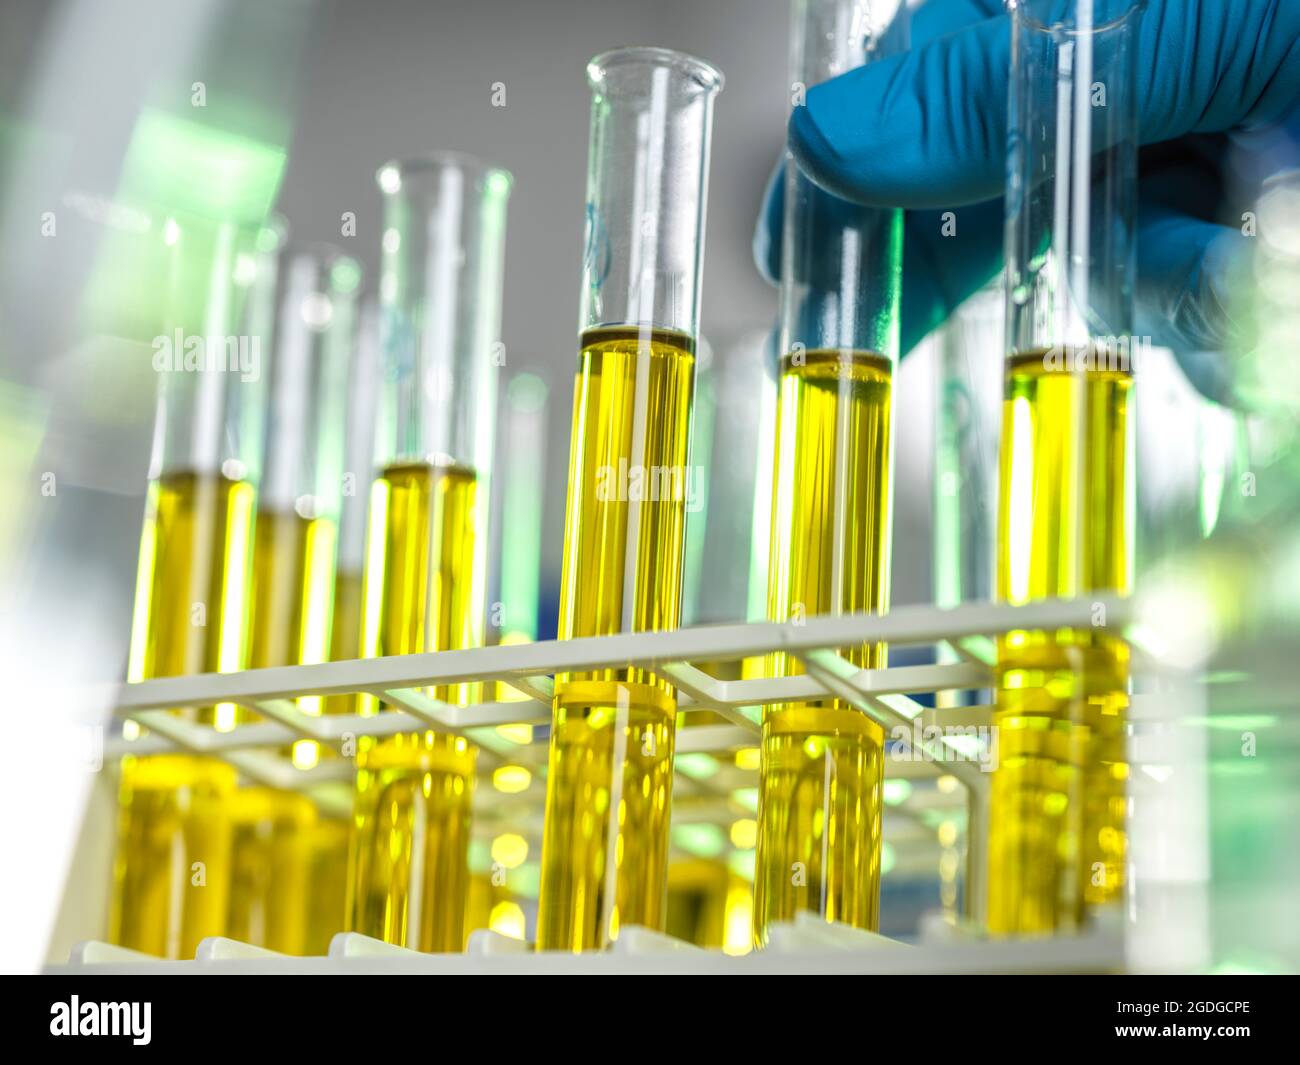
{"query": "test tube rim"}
(438, 160)
(1019, 12)
(707, 76)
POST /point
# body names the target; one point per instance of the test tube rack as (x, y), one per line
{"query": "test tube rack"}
(964, 635)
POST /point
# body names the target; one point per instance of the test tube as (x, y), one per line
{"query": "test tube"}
(358, 466)
(330, 836)
(171, 873)
(294, 559)
(520, 534)
(293, 577)
(969, 352)
(1065, 512)
(605, 839)
(426, 555)
(822, 766)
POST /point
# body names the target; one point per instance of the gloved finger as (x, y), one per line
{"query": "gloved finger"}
(928, 128)
(938, 18)
(948, 256)
(923, 129)
(767, 230)
(934, 18)
(1188, 271)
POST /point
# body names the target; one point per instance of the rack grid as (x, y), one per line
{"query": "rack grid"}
(721, 717)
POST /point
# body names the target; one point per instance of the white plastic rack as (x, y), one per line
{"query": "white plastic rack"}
(684, 656)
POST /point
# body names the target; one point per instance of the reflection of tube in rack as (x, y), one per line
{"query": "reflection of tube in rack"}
(1057, 840)
(605, 844)
(821, 776)
(426, 574)
(172, 868)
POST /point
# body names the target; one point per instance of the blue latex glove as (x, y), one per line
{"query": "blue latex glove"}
(926, 130)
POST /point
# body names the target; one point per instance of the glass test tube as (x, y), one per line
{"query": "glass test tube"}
(605, 838)
(822, 764)
(294, 550)
(1065, 513)
(426, 566)
(358, 467)
(969, 352)
(171, 873)
(524, 412)
(330, 839)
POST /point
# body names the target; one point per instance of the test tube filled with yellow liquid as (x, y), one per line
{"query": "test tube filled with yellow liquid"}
(822, 766)
(426, 566)
(605, 837)
(293, 578)
(1065, 517)
(172, 869)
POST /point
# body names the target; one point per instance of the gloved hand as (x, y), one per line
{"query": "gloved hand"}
(926, 130)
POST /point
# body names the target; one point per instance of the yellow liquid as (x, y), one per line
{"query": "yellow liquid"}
(697, 902)
(293, 574)
(605, 840)
(1057, 836)
(327, 897)
(709, 906)
(822, 765)
(293, 592)
(408, 870)
(345, 633)
(293, 598)
(493, 906)
(172, 870)
(271, 862)
(171, 873)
